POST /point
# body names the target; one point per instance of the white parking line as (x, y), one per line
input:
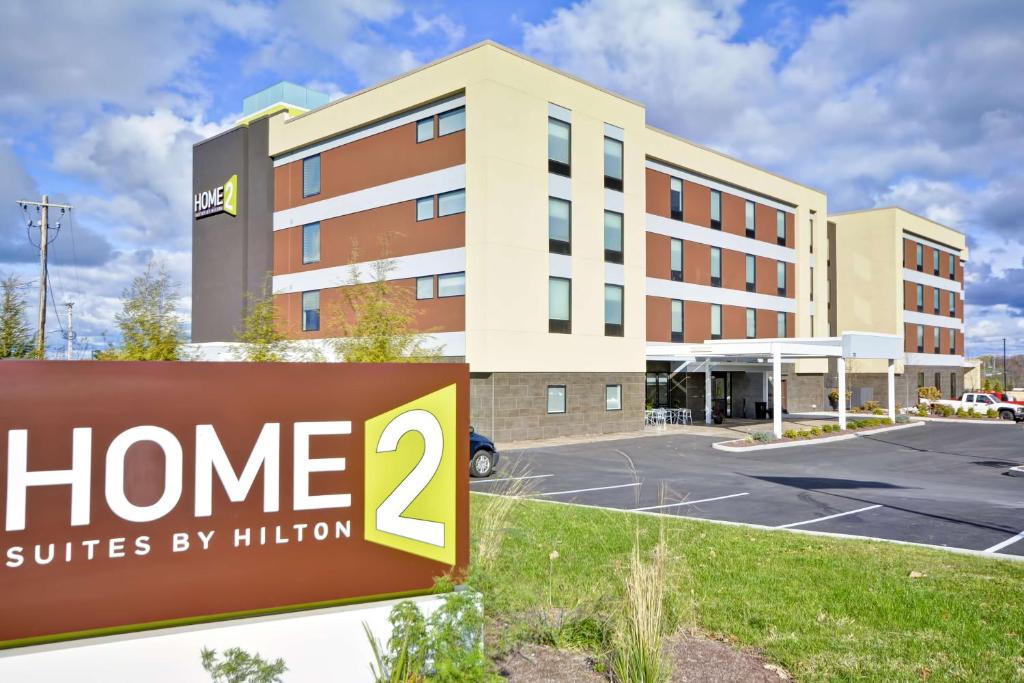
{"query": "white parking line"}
(598, 488)
(689, 502)
(492, 481)
(822, 519)
(1009, 541)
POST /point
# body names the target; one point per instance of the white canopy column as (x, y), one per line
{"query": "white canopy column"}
(841, 372)
(707, 393)
(891, 381)
(776, 391)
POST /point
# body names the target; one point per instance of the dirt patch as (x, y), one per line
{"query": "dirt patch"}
(693, 657)
(542, 664)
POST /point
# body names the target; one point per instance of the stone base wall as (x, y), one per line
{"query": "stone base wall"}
(512, 406)
(805, 393)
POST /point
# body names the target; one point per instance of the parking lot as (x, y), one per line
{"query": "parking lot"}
(938, 484)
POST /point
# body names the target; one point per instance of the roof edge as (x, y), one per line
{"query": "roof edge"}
(898, 208)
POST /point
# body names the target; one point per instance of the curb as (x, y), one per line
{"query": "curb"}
(964, 420)
(722, 445)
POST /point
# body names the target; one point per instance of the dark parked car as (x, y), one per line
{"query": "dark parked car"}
(483, 456)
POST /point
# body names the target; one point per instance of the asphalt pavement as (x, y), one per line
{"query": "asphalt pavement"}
(937, 484)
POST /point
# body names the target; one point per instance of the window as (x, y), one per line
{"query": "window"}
(920, 298)
(780, 277)
(451, 203)
(559, 305)
(451, 284)
(935, 261)
(750, 219)
(613, 164)
(612, 237)
(559, 226)
(451, 121)
(716, 209)
(952, 267)
(780, 324)
(676, 249)
(613, 397)
(556, 398)
(613, 310)
(952, 304)
(716, 321)
(920, 380)
(311, 311)
(311, 243)
(811, 232)
(425, 287)
(935, 301)
(311, 176)
(751, 323)
(676, 198)
(559, 147)
(952, 385)
(936, 345)
(751, 272)
(716, 267)
(811, 289)
(780, 227)
(938, 380)
(424, 208)
(677, 320)
(920, 338)
(425, 129)
(952, 342)
(920, 257)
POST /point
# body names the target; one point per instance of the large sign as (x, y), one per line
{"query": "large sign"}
(223, 199)
(137, 495)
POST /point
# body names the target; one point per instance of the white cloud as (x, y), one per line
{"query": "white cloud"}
(452, 31)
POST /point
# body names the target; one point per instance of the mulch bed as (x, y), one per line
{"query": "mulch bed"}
(693, 657)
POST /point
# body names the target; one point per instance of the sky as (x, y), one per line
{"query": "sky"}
(876, 102)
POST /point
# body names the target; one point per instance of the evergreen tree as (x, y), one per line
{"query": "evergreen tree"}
(15, 334)
(150, 326)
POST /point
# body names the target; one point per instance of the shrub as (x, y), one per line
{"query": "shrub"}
(639, 636)
(448, 645)
(947, 411)
(804, 433)
(992, 412)
(870, 406)
(902, 419)
(929, 393)
(238, 666)
(789, 434)
(815, 431)
(922, 410)
(878, 411)
(960, 412)
(763, 437)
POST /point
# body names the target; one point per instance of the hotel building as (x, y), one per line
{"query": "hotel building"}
(898, 273)
(546, 234)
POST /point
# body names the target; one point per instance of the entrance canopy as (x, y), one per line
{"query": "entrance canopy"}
(766, 355)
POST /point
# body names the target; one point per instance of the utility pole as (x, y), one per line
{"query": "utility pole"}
(44, 242)
(71, 330)
(1006, 387)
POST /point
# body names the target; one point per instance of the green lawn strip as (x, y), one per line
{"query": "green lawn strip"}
(826, 609)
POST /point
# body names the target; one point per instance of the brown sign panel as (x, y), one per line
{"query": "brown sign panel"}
(144, 494)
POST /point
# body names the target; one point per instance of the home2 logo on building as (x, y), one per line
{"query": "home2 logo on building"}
(223, 199)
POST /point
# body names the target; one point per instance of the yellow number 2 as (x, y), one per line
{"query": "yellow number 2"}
(410, 477)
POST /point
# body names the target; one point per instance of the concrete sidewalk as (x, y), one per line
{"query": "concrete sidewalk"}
(732, 428)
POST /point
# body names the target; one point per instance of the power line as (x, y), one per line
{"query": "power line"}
(43, 208)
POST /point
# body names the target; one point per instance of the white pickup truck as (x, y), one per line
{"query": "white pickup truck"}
(982, 403)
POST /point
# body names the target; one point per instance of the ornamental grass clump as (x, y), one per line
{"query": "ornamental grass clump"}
(638, 637)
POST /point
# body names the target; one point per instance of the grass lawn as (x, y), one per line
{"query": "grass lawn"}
(825, 609)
